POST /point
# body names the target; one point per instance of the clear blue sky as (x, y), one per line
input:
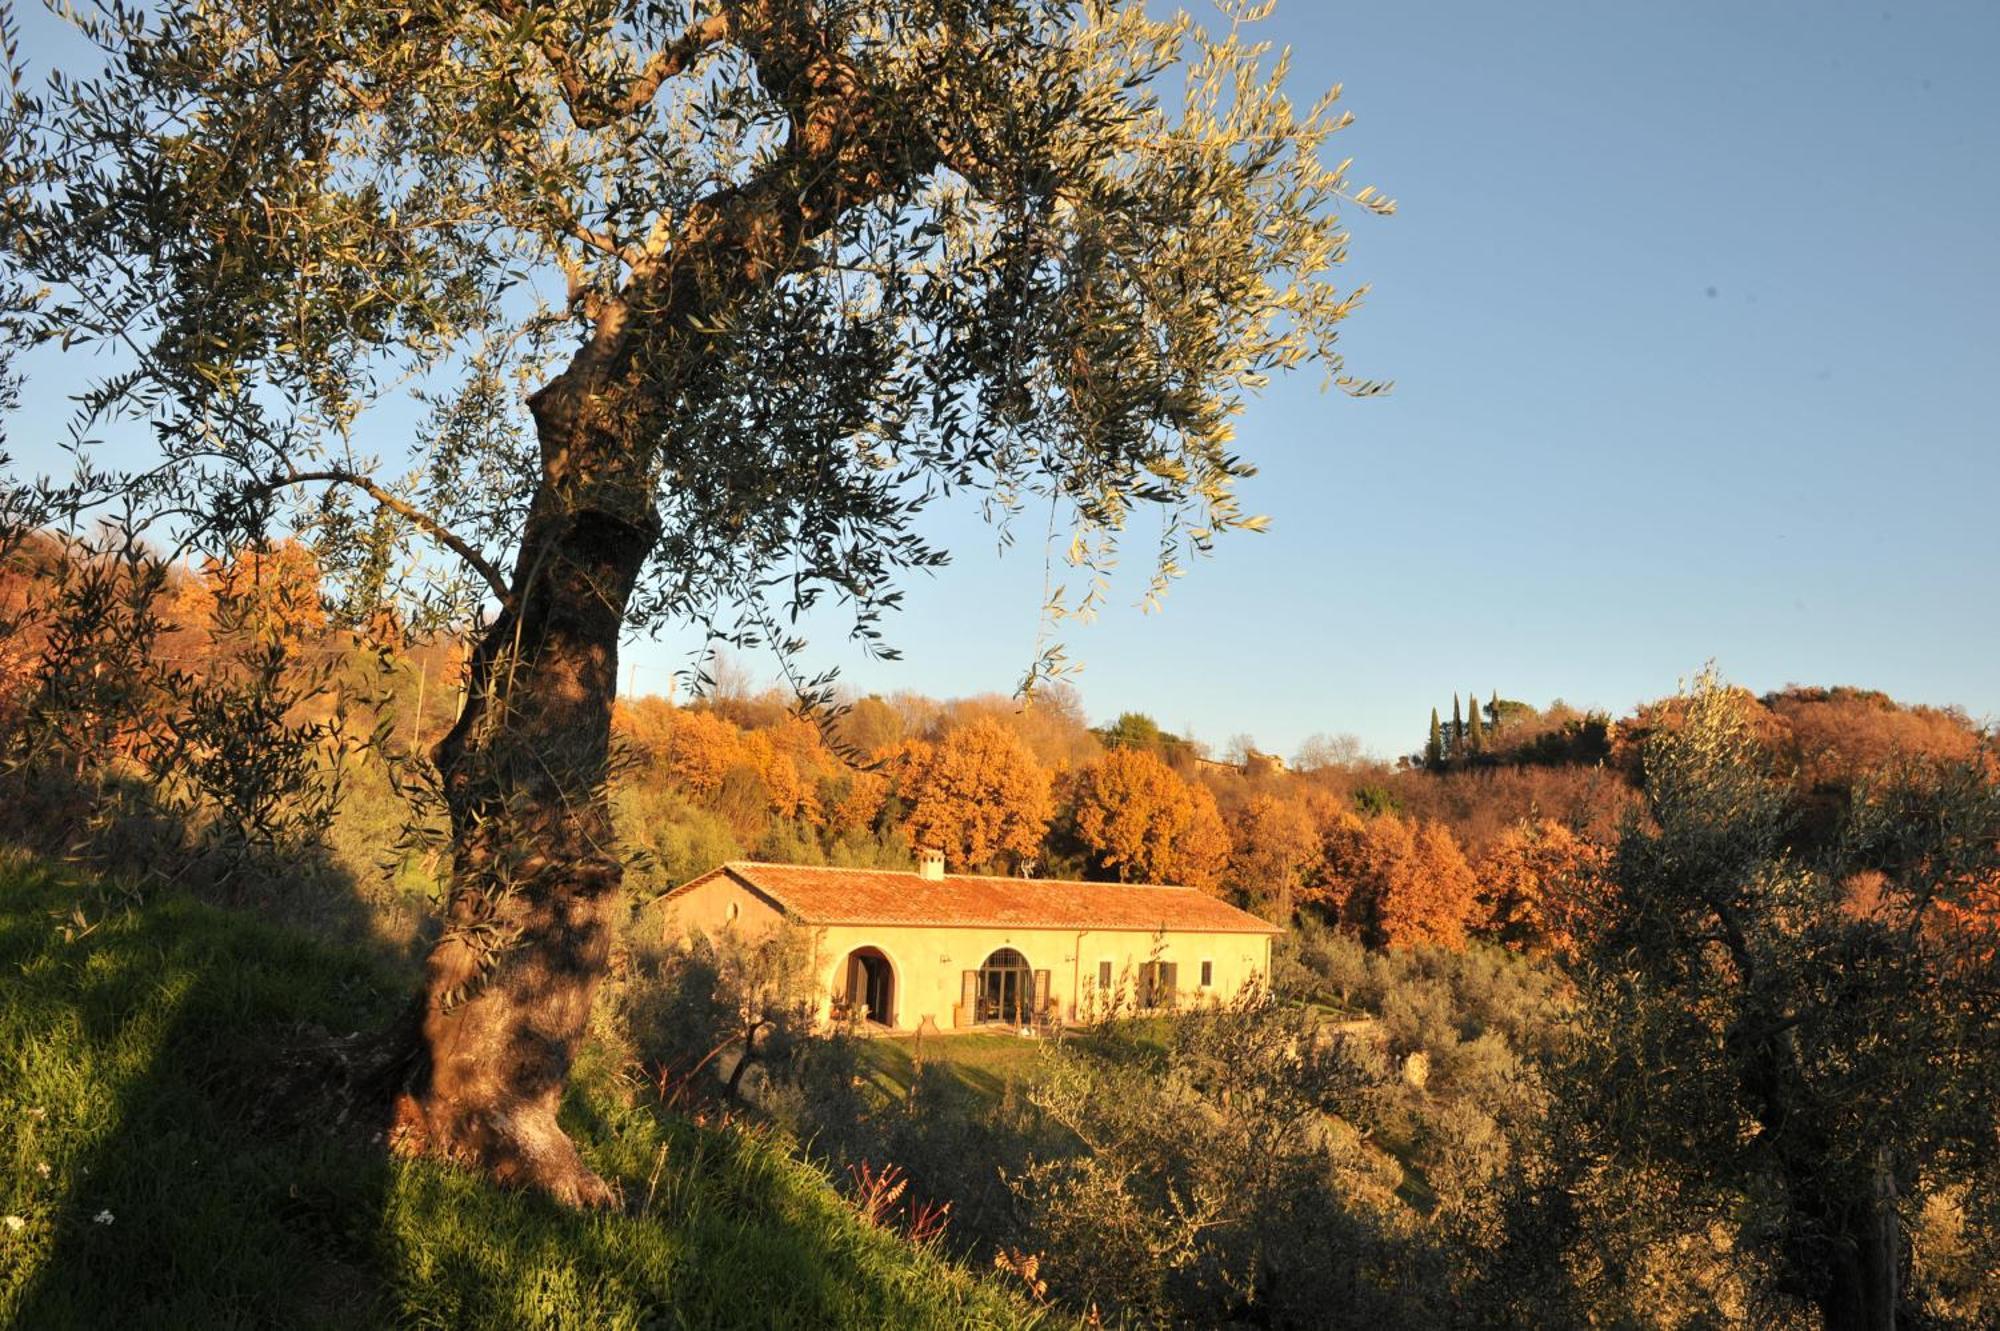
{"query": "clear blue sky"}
(1692, 315)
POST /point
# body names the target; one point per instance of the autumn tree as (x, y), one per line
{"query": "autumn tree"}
(706, 300)
(702, 748)
(271, 590)
(1535, 881)
(978, 795)
(1397, 882)
(1275, 852)
(869, 727)
(1141, 822)
(1051, 723)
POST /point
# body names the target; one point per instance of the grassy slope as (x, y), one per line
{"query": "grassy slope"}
(134, 1062)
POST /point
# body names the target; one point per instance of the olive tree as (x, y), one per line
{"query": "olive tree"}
(707, 299)
(1778, 1062)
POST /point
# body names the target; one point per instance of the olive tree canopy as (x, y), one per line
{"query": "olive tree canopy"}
(705, 301)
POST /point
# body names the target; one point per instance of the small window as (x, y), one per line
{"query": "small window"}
(1104, 977)
(735, 909)
(1207, 974)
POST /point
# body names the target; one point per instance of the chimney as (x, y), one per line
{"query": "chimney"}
(930, 864)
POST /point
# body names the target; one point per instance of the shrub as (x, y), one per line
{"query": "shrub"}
(1223, 1178)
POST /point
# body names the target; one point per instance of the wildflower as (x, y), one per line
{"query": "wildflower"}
(14, 1223)
(42, 1168)
(101, 1218)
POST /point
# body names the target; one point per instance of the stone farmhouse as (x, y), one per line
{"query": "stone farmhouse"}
(928, 950)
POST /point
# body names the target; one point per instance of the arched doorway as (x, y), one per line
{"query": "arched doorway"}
(1006, 989)
(871, 986)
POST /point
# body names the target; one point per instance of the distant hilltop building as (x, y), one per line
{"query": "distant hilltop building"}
(903, 950)
(1258, 763)
(1255, 763)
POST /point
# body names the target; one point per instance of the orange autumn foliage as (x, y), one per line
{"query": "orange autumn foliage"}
(1536, 884)
(1276, 853)
(788, 793)
(702, 749)
(271, 590)
(978, 795)
(1398, 883)
(1139, 819)
(645, 727)
(853, 801)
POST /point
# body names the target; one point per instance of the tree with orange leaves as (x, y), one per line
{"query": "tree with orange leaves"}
(1138, 819)
(1399, 883)
(272, 590)
(852, 800)
(1433, 901)
(645, 727)
(704, 747)
(978, 795)
(1276, 852)
(1535, 882)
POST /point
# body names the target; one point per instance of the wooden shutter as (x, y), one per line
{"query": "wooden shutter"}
(968, 999)
(1147, 973)
(1170, 973)
(1040, 999)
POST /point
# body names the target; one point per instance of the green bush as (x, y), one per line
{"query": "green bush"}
(676, 838)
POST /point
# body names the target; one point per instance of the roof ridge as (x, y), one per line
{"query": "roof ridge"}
(917, 900)
(968, 877)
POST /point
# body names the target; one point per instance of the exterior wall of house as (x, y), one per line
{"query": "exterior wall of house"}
(714, 906)
(929, 962)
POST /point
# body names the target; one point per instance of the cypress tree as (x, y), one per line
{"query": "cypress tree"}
(1434, 746)
(1457, 729)
(1475, 730)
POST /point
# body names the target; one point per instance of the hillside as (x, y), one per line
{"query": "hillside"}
(152, 1180)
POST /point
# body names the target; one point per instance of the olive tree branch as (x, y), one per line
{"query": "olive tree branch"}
(592, 105)
(404, 509)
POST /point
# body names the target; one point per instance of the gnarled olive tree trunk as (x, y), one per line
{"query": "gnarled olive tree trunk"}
(1863, 1290)
(536, 879)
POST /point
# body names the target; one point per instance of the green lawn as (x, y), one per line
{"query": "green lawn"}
(149, 1180)
(984, 1062)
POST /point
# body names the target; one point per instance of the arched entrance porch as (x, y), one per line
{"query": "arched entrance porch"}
(869, 986)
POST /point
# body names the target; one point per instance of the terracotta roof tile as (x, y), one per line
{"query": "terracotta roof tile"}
(886, 896)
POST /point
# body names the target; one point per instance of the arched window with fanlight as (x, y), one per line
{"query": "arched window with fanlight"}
(1005, 989)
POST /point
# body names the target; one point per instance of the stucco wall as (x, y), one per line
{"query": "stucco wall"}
(711, 907)
(929, 962)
